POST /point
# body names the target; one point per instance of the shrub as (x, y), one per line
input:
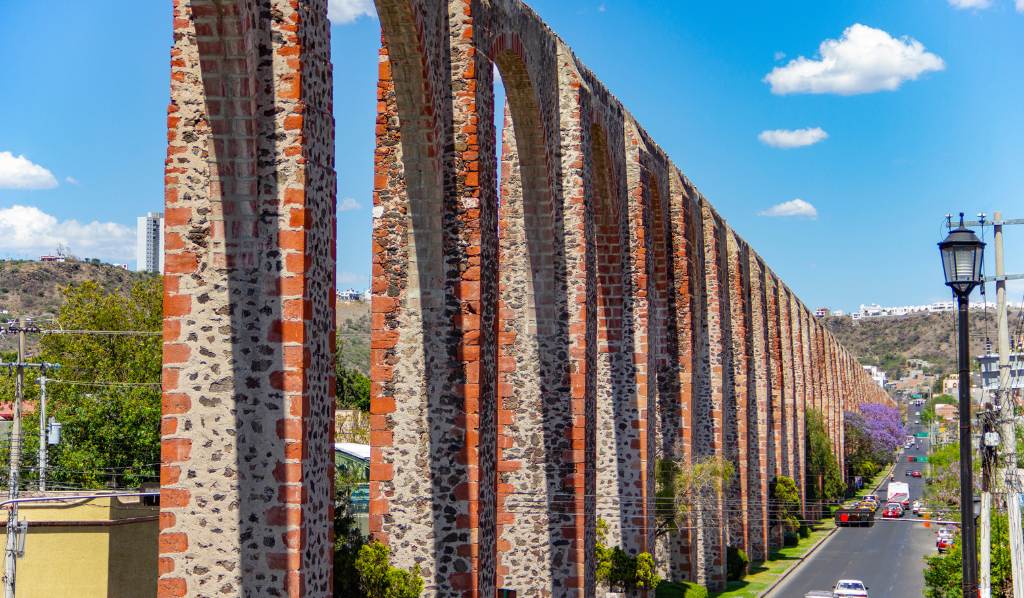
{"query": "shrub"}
(804, 531)
(378, 579)
(680, 589)
(790, 539)
(736, 562)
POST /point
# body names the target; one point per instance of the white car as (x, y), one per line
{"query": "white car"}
(916, 507)
(850, 587)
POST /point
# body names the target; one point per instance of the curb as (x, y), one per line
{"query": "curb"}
(814, 548)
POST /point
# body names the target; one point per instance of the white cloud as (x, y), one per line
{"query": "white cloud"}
(348, 204)
(18, 172)
(1020, 5)
(793, 207)
(975, 4)
(863, 60)
(341, 12)
(27, 231)
(787, 138)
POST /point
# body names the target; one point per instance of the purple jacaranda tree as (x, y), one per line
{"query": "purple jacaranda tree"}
(883, 427)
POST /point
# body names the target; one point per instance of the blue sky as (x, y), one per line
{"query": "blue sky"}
(913, 128)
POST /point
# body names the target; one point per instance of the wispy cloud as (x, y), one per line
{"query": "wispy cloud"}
(779, 55)
(792, 208)
(18, 172)
(1020, 5)
(341, 12)
(70, 180)
(27, 231)
(863, 60)
(602, 7)
(348, 204)
(970, 4)
(790, 138)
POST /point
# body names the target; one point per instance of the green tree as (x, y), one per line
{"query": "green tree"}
(378, 579)
(353, 389)
(785, 502)
(942, 574)
(825, 481)
(111, 427)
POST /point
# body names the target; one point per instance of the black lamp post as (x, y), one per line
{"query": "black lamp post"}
(962, 254)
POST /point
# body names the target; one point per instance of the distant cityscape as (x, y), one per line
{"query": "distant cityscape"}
(875, 310)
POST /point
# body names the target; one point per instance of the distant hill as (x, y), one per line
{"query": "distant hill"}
(33, 289)
(354, 335)
(889, 342)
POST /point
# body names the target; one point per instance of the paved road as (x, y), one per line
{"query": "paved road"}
(887, 557)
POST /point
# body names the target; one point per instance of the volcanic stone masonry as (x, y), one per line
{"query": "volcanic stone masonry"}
(539, 343)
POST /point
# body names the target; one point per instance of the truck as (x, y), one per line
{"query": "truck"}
(860, 514)
(898, 492)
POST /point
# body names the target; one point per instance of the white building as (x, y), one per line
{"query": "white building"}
(875, 310)
(149, 243)
(990, 370)
(877, 375)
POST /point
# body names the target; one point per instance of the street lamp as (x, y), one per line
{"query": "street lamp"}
(962, 253)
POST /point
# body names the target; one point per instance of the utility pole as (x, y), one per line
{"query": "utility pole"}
(11, 554)
(987, 457)
(1009, 433)
(43, 440)
(14, 527)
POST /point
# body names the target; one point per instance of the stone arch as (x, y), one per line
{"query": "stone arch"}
(618, 460)
(418, 479)
(535, 497)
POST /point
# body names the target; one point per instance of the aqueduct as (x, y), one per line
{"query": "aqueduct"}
(538, 342)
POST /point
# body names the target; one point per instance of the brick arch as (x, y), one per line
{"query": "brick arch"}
(420, 395)
(535, 494)
(619, 455)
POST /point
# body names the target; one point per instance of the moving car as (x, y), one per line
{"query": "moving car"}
(916, 507)
(892, 510)
(849, 587)
(915, 474)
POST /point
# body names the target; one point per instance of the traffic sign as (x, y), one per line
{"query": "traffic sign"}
(921, 435)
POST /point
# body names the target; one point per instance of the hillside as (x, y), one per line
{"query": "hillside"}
(354, 336)
(33, 289)
(889, 342)
(884, 342)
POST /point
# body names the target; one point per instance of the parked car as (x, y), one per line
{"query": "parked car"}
(916, 507)
(850, 587)
(944, 540)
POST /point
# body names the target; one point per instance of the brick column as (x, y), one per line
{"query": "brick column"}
(712, 524)
(738, 429)
(246, 498)
(761, 410)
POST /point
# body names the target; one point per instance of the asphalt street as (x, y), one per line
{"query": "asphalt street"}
(887, 557)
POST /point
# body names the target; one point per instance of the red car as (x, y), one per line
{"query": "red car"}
(915, 474)
(892, 511)
(944, 543)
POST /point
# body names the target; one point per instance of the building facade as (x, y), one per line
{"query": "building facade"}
(149, 243)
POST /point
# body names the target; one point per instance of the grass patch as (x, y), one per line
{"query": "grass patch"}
(779, 561)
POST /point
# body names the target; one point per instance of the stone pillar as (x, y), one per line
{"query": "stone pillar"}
(248, 378)
(713, 514)
(738, 439)
(761, 410)
(684, 223)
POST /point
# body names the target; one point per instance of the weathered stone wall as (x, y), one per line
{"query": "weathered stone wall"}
(247, 484)
(534, 356)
